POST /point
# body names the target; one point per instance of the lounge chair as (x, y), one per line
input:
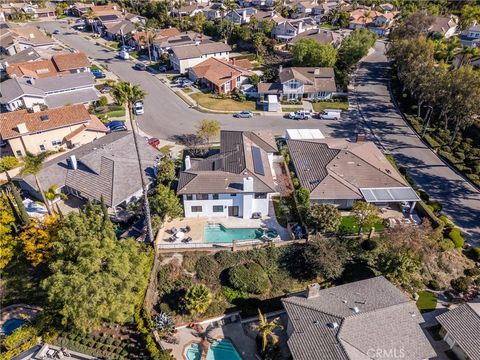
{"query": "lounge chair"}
(172, 238)
(188, 239)
(173, 230)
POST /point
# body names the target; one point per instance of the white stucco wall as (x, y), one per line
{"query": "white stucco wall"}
(185, 64)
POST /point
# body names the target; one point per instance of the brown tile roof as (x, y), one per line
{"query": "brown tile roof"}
(169, 32)
(39, 122)
(31, 35)
(93, 125)
(218, 71)
(70, 61)
(33, 69)
(337, 169)
(224, 172)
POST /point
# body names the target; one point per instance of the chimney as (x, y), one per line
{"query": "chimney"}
(36, 108)
(188, 164)
(316, 72)
(248, 184)
(300, 27)
(22, 128)
(356, 310)
(73, 162)
(360, 137)
(244, 15)
(280, 69)
(313, 290)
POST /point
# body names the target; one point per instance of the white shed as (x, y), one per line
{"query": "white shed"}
(272, 103)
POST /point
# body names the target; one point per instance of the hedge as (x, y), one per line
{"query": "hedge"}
(456, 237)
(8, 163)
(249, 277)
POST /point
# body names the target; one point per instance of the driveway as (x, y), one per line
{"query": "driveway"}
(461, 201)
(166, 115)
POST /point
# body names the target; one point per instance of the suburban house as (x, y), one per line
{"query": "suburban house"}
(471, 36)
(52, 129)
(68, 63)
(444, 25)
(269, 16)
(297, 83)
(168, 38)
(79, 8)
(214, 11)
(138, 39)
(54, 91)
(104, 168)
(119, 30)
(340, 172)
(387, 7)
(322, 36)
(187, 10)
(15, 39)
(375, 21)
(36, 12)
(221, 76)
(304, 8)
(325, 8)
(29, 54)
(286, 30)
(241, 15)
(184, 57)
(366, 319)
(47, 351)
(461, 330)
(236, 182)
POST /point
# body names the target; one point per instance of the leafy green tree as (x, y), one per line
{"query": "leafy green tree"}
(254, 79)
(266, 329)
(166, 171)
(324, 218)
(95, 277)
(60, 9)
(413, 25)
(354, 47)
(324, 257)
(32, 165)
(165, 203)
(207, 129)
(365, 214)
(7, 231)
(8, 163)
(38, 239)
(249, 277)
(469, 14)
(309, 52)
(303, 196)
(198, 298)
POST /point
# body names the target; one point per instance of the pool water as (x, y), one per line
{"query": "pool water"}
(217, 233)
(223, 350)
(11, 325)
(193, 352)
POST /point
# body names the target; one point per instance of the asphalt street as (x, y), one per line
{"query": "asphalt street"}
(461, 201)
(167, 116)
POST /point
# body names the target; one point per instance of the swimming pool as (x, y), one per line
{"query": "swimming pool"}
(193, 352)
(217, 233)
(11, 325)
(223, 350)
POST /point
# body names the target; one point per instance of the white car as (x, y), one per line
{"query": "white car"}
(300, 115)
(330, 114)
(124, 55)
(138, 108)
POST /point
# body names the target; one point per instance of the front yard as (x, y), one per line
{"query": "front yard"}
(208, 101)
(322, 105)
(349, 224)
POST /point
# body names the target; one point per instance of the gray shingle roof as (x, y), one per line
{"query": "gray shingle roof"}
(195, 51)
(386, 320)
(28, 54)
(463, 325)
(224, 172)
(106, 167)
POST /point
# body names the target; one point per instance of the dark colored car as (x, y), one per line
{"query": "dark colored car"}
(243, 114)
(116, 125)
(99, 74)
(140, 66)
(56, 32)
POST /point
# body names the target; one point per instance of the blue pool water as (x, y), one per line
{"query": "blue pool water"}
(223, 350)
(193, 352)
(11, 325)
(217, 233)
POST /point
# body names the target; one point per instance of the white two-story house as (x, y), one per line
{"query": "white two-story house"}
(237, 181)
(471, 36)
(185, 57)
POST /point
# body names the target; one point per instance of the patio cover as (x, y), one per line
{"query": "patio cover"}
(385, 195)
(304, 134)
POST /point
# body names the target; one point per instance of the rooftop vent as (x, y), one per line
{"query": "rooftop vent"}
(356, 310)
(44, 117)
(332, 325)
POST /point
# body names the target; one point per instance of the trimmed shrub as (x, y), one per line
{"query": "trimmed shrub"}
(102, 101)
(456, 237)
(8, 163)
(369, 245)
(249, 277)
(207, 268)
(435, 207)
(109, 341)
(473, 272)
(434, 285)
(447, 245)
(461, 284)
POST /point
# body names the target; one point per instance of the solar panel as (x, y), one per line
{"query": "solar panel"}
(395, 194)
(257, 161)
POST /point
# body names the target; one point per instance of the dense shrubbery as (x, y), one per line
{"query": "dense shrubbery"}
(456, 237)
(249, 277)
(461, 284)
(207, 269)
(8, 163)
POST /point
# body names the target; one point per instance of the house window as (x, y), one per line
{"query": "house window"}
(57, 142)
(217, 208)
(196, 209)
(189, 197)
(42, 147)
(238, 79)
(202, 196)
(260, 195)
(18, 152)
(215, 196)
(233, 194)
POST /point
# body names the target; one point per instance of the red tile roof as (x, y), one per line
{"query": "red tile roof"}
(219, 71)
(70, 61)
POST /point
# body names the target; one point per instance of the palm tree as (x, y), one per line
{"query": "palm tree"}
(266, 329)
(33, 164)
(51, 194)
(367, 15)
(198, 299)
(126, 93)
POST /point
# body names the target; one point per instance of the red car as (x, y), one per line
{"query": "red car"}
(154, 142)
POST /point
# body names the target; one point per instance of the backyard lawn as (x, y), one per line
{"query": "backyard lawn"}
(349, 224)
(209, 102)
(322, 105)
(427, 301)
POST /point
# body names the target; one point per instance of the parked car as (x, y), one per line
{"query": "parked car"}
(140, 66)
(80, 27)
(116, 125)
(138, 108)
(300, 115)
(243, 114)
(330, 114)
(99, 74)
(106, 89)
(162, 68)
(123, 55)
(154, 142)
(127, 48)
(56, 32)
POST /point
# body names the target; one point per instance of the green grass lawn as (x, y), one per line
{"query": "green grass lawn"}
(291, 109)
(117, 113)
(427, 301)
(322, 105)
(209, 102)
(349, 224)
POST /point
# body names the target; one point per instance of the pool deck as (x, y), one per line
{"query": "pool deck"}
(18, 311)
